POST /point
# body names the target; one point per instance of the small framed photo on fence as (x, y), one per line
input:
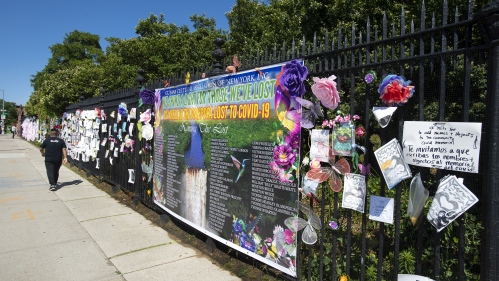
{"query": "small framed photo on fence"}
(344, 139)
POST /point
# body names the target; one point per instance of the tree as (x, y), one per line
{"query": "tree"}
(11, 109)
(203, 21)
(77, 48)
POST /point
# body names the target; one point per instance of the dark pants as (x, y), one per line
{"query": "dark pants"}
(53, 171)
(13, 134)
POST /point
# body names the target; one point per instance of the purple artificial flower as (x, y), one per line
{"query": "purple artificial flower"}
(369, 78)
(264, 249)
(292, 77)
(147, 96)
(293, 140)
(333, 225)
(284, 156)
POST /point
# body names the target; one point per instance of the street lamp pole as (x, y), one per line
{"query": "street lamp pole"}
(3, 108)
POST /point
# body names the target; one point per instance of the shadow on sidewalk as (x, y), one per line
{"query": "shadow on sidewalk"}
(75, 182)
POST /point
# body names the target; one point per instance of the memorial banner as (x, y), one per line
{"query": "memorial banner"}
(226, 154)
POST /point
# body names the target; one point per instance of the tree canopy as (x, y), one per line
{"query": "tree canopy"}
(11, 109)
(161, 48)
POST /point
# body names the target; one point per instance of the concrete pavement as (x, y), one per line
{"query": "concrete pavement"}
(79, 232)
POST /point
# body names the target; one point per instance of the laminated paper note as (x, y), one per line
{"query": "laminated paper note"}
(451, 200)
(316, 137)
(354, 192)
(392, 163)
(381, 209)
(443, 145)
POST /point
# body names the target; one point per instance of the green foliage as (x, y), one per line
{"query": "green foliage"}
(72, 68)
(11, 109)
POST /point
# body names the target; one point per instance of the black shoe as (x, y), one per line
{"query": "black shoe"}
(52, 187)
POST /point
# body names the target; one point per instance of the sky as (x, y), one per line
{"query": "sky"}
(28, 28)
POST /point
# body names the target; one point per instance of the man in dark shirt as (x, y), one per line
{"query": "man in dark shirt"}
(53, 148)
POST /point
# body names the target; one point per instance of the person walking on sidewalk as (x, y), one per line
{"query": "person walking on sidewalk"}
(13, 131)
(53, 148)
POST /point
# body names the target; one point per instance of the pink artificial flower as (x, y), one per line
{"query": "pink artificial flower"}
(146, 116)
(346, 119)
(331, 124)
(325, 90)
(356, 117)
(338, 118)
(203, 75)
(360, 131)
(314, 164)
(324, 124)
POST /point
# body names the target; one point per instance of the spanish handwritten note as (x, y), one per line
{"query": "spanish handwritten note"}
(443, 145)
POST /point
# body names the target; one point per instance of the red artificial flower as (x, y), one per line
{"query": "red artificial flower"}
(360, 131)
(395, 93)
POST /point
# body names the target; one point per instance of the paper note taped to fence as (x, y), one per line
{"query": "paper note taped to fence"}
(443, 145)
(381, 209)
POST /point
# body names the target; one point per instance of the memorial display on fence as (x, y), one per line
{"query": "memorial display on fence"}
(226, 153)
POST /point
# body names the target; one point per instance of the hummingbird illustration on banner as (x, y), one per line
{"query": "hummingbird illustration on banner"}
(239, 166)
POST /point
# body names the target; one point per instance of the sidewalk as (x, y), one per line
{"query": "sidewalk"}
(79, 232)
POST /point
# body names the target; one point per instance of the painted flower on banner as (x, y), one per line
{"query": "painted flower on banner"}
(243, 234)
(284, 156)
(286, 111)
(147, 131)
(293, 140)
(394, 90)
(157, 101)
(325, 90)
(147, 96)
(290, 236)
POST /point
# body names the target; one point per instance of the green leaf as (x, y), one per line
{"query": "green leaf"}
(455, 240)
(139, 126)
(140, 102)
(140, 136)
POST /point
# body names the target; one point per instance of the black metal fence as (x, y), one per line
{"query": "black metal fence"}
(455, 69)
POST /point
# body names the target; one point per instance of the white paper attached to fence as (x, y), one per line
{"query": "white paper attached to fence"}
(443, 145)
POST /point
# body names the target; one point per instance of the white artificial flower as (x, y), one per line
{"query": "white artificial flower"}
(147, 131)
(305, 161)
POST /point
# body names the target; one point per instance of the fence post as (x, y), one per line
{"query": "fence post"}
(82, 97)
(488, 19)
(136, 197)
(218, 54)
(102, 135)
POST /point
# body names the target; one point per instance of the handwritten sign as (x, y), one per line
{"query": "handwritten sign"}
(443, 145)
(381, 209)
